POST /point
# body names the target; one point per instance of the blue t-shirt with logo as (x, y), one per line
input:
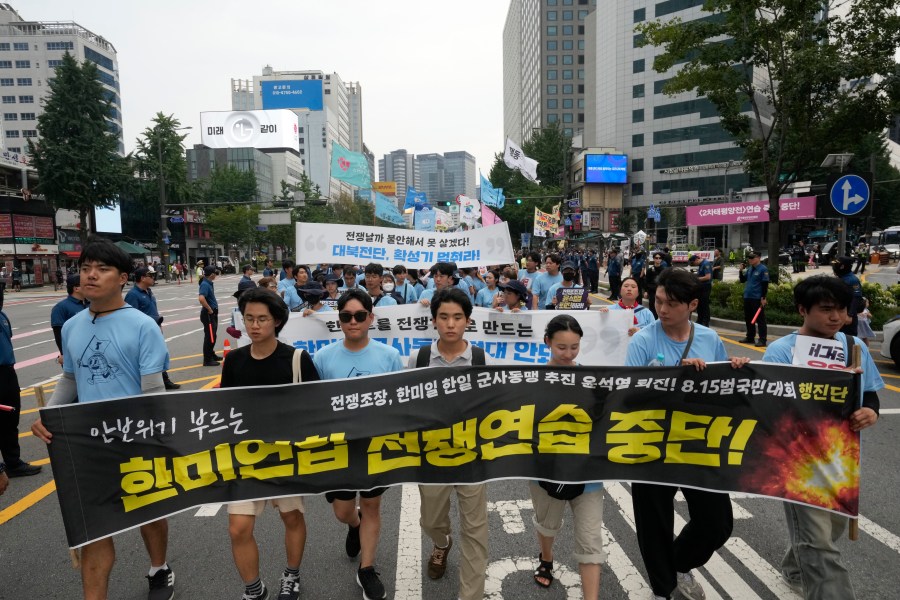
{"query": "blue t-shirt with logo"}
(782, 351)
(485, 297)
(109, 355)
(336, 362)
(652, 340)
(541, 288)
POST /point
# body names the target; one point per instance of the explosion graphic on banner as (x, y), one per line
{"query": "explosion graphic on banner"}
(814, 462)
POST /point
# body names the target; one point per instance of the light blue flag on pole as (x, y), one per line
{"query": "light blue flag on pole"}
(386, 210)
(351, 167)
(490, 195)
(425, 219)
(415, 199)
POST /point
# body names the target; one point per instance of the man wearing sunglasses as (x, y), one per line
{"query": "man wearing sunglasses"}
(358, 356)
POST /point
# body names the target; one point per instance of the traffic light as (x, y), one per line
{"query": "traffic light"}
(446, 203)
(518, 201)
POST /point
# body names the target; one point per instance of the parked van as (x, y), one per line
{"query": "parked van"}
(227, 264)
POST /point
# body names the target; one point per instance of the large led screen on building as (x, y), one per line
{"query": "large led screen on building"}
(606, 168)
(295, 93)
(260, 129)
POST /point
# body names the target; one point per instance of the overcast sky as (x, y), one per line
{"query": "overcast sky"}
(431, 72)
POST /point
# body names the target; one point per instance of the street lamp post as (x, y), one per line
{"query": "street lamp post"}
(163, 232)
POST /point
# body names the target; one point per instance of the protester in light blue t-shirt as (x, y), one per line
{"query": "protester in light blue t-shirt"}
(358, 356)
(540, 288)
(813, 562)
(563, 337)
(711, 519)
(629, 292)
(485, 296)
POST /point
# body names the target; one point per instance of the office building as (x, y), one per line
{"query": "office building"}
(678, 151)
(430, 177)
(30, 51)
(329, 111)
(399, 167)
(459, 174)
(544, 66)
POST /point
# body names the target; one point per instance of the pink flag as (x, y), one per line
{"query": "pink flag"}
(488, 217)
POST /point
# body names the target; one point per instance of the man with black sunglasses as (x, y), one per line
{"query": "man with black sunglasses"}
(358, 356)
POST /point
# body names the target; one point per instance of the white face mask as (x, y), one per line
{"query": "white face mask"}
(388, 287)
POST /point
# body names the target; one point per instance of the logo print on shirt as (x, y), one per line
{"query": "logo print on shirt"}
(94, 359)
(354, 372)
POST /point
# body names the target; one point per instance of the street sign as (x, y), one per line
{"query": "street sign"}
(176, 219)
(849, 194)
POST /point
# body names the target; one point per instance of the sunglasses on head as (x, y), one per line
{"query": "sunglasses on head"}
(359, 316)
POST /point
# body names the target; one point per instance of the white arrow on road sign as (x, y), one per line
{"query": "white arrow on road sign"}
(848, 199)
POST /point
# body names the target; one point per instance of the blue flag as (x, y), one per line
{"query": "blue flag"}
(386, 210)
(490, 195)
(351, 167)
(415, 199)
(425, 219)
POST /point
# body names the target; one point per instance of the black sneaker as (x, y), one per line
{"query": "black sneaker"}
(162, 585)
(264, 595)
(171, 385)
(372, 587)
(351, 544)
(289, 586)
(760, 344)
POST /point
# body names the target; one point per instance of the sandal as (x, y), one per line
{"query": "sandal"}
(544, 571)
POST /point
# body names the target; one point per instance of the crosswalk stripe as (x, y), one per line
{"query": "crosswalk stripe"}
(880, 533)
(760, 567)
(408, 582)
(625, 571)
(208, 510)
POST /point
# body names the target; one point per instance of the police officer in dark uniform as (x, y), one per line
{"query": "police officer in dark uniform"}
(843, 268)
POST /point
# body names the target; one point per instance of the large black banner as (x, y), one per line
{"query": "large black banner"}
(765, 429)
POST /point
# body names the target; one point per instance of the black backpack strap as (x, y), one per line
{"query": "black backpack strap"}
(851, 342)
(424, 357)
(478, 358)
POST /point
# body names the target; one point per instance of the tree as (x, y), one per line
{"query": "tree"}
(551, 148)
(77, 158)
(812, 84)
(228, 184)
(159, 160)
(234, 225)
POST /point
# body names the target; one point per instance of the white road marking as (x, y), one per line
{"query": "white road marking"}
(889, 411)
(761, 568)
(626, 573)
(40, 323)
(880, 533)
(408, 584)
(499, 570)
(511, 513)
(191, 332)
(34, 344)
(208, 510)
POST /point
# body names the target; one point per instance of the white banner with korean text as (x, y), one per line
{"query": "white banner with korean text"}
(509, 338)
(360, 244)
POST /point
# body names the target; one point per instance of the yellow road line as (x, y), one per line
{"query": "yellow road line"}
(893, 388)
(17, 508)
(212, 383)
(747, 346)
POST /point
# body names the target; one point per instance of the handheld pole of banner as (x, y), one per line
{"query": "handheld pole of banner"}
(853, 530)
(756, 316)
(41, 399)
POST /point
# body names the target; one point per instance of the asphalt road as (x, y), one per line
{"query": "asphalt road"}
(36, 561)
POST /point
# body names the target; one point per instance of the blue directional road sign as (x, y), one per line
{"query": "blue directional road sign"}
(850, 194)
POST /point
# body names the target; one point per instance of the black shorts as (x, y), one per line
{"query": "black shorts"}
(351, 495)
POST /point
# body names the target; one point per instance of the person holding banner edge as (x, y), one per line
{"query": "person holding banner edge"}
(812, 564)
(563, 336)
(266, 361)
(358, 356)
(671, 341)
(450, 314)
(112, 334)
(629, 292)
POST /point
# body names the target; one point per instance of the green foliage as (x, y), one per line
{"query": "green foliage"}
(780, 81)
(227, 184)
(159, 157)
(234, 225)
(551, 149)
(880, 297)
(77, 156)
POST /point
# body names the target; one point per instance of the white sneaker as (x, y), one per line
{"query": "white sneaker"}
(689, 587)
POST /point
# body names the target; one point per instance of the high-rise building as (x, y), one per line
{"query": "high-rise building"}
(430, 171)
(329, 111)
(678, 150)
(543, 66)
(30, 51)
(459, 174)
(399, 167)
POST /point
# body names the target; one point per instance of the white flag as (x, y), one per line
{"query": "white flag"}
(516, 159)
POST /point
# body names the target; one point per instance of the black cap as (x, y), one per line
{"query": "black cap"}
(333, 278)
(752, 255)
(843, 261)
(312, 288)
(567, 265)
(141, 271)
(73, 280)
(517, 286)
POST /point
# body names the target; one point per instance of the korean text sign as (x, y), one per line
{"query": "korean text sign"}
(121, 463)
(360, 244)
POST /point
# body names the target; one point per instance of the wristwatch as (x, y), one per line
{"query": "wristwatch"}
(2, 467)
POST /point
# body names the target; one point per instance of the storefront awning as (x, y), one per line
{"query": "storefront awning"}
(131, 248)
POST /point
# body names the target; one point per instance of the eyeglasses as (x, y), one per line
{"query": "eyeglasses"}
(261, 321)
(359, 316)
